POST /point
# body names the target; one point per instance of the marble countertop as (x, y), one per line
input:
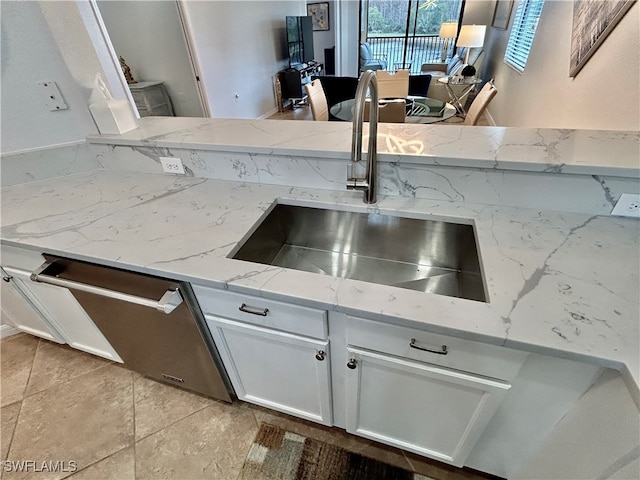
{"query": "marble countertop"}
(558, 283)
(592, 152)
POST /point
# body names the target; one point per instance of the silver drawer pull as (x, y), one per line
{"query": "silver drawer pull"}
(413, 344)
(253, 310)
(167, 304)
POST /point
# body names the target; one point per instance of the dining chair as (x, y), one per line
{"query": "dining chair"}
(419, 85)
(337, 89)
(317, 100)
(480, 103)
(393, 85)
(389, 111)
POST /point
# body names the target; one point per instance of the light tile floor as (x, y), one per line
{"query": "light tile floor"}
(60, 404)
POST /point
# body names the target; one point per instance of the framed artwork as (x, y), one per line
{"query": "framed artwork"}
(593, 21)
(319, 13)
(501, 14)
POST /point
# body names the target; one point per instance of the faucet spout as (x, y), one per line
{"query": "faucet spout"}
(368, 183)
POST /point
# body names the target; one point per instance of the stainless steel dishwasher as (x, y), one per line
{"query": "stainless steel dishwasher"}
(153, 323)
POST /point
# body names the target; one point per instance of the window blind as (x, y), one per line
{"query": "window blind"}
(522, 33)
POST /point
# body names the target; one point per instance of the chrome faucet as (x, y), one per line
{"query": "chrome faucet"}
(369, 182)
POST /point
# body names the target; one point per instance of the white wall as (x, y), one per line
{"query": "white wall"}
(149, 36)
(240, 46)
(29, 56)
(325, 38)
(604, 95)
(347, 38)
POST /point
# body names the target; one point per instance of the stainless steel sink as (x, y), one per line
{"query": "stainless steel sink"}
(425, 255)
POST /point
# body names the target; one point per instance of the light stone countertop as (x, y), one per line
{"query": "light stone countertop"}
(558, 283)
(592, 152)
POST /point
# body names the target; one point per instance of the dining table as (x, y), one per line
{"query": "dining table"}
(419, 109)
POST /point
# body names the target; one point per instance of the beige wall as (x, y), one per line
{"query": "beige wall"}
(603, 96)
(239, 47)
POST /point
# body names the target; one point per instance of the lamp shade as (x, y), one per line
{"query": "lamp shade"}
(448, 30)
(472, 36)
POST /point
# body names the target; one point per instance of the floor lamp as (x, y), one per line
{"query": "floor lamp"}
(447, 31)
(471, 36)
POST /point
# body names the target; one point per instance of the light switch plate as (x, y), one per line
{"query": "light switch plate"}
(53, 97)
(172, 165)
(628, 205)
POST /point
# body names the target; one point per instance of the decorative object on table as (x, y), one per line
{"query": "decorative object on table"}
(319, 13)
(471, 36)
(127, 72)
(468, 71)
(447, 30)
(277, 454)
(592, 23)
(501, 14)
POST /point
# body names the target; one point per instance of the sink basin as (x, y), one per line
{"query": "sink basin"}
(425, 255)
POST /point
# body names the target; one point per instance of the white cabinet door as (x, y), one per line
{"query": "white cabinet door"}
(62, 310)
(276, 369)
(19, 311)
(430, 410)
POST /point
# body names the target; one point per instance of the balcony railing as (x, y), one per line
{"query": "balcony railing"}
(422, 49)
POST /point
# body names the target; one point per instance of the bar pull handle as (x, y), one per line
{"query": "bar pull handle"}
(253, 310)
(413, 344)
(167, 304)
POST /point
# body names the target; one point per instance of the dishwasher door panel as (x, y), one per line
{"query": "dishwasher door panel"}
(175, 348)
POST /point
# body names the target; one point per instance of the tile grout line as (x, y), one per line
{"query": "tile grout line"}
(126, 446)
(26, 385)
(110, 362)
(172, 424)
(246, 455)
(15, 426)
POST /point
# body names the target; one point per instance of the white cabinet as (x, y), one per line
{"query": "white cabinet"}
(56, 307)
(276, 354)
(428, 394)
(432, 411)
(151, 99)
(274, 369)
(19, 310)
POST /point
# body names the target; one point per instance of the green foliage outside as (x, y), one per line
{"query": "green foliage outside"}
(389, 17)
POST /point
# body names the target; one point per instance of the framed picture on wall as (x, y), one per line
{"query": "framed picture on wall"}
(501, 14)
(593, 21)
(319, 13)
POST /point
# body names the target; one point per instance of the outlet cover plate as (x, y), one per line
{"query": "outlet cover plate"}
(628, 205)
(172, 165)
(52, 97)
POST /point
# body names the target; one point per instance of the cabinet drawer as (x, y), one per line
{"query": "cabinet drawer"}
(306, 321)
(480, 358)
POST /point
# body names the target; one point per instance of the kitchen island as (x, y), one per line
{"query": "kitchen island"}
(559, 284)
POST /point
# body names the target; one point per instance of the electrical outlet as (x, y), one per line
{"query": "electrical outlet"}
(172, 165)
(627, 206)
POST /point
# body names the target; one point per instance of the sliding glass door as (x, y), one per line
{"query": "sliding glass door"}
(405, 32)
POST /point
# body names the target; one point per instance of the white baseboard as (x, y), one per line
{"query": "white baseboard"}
(7, 331)
(273, 111)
